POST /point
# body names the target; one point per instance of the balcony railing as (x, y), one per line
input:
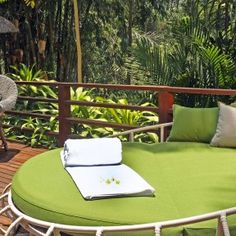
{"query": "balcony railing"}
(165, 100)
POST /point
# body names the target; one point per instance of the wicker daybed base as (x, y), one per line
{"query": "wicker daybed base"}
(191, 180)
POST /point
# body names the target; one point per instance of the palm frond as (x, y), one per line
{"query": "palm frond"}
(30, 3)
(149, 60)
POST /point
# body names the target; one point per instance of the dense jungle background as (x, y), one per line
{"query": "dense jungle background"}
(182, 43)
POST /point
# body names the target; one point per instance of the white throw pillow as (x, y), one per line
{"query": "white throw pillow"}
(225, 135)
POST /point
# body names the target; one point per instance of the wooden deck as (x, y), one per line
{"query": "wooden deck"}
(10, 161)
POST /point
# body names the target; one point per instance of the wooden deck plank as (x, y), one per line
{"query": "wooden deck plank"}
(10, 161)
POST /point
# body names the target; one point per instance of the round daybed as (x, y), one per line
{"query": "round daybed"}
(194, 182)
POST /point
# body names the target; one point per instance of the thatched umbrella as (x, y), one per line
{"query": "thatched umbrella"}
(6, 26)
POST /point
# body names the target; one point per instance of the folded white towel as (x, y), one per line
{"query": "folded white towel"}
(96, 151)
(109, 181)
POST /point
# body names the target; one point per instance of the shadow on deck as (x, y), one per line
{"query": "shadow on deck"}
(10, 161)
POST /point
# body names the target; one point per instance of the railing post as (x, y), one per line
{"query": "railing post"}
(165, 103)
(64, 112)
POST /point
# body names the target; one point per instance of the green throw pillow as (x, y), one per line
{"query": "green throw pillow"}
(233, 104)
(193, 124)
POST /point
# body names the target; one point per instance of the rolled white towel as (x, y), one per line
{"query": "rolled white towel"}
(89, 152)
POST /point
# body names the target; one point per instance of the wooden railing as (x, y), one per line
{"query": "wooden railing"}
(165, 100)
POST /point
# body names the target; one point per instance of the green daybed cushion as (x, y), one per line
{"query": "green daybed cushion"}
(189, 178)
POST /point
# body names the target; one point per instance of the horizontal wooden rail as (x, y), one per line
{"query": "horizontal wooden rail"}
(30, 130)
(210, 91)
(99, 123)
(204, 91)
(38, 99)
(38, 83)
(30, 114)
(112, 105)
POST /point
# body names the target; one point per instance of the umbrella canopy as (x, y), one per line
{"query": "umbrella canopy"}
(6, 26)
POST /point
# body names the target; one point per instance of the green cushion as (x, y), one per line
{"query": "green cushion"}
(193, 124)
(199, 232)
(178, 171)
(233, 104)
(205, 231)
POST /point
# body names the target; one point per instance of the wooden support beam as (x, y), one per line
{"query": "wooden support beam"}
(165, 103)
(64, 112)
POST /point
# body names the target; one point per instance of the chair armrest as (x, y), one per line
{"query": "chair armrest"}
(8, 103)
(142, 129)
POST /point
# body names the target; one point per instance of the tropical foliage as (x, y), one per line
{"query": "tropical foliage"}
(185, 43)
(111, 115)
(191, 47)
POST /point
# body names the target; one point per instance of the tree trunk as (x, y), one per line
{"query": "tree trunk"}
(78, 44)
(130, 38)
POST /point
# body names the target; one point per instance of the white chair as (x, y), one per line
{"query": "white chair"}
(8, 96)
